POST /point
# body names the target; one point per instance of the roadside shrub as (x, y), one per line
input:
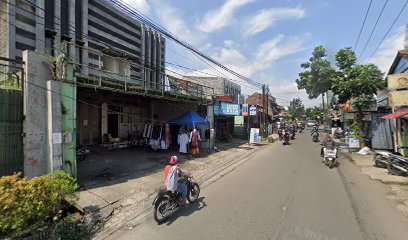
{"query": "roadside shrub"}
(70, 230)
(270, 139)
(24, 203)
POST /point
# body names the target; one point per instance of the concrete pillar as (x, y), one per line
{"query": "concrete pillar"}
(54, 122)
(71, 27)
(39, 27)
(85, 56)
(104, 119)
(8, 29)
(57, 25)
(35, 113)
(69, 103)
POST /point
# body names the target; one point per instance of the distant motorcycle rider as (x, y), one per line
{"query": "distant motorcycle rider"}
(315, 131)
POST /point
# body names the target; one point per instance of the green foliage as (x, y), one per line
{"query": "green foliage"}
(317, 77)
(358, 83)
(26, 202)
(314, 113)
(70, 230)
(296, 108)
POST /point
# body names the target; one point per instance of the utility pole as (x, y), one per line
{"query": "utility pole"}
(262, 117)
(267, 109)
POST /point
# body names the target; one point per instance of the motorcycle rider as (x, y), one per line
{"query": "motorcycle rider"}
(315, 131)
(328, 143)
(280, 130)
(174, 179)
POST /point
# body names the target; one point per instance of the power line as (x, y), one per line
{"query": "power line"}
(389, 29)
(73, 29)
(372, 31)
(187, 58)
(362, 26)
(137, 15)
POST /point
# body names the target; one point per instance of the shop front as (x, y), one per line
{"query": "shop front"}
(224, 119)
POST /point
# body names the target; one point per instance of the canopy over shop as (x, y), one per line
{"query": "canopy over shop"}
(185, 136)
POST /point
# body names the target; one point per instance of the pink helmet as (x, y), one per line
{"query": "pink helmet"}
(173, 160)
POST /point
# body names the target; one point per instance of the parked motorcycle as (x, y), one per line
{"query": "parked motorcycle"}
(381, 158)
(330, 158)
(81, 153)
(397, 165)
(167, 202)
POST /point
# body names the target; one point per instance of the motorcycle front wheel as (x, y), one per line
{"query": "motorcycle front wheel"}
(194, 193)
(394, 171)
(160, 211)
(378, 161)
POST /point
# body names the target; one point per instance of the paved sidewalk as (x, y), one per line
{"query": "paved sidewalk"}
(126, 202)
(397, 186)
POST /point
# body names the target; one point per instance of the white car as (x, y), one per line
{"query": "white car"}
(311, 123)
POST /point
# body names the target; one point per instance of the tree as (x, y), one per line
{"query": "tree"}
(357, 83)
(296, 108)
(318, 75)
(315, 113)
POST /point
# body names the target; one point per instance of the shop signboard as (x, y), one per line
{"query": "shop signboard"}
(254, 136)
(245, 110)
(227, 109)
(252, 110)
(348, 116)
(239, 120)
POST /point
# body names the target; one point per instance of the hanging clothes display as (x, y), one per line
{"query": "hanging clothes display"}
(182, 140)
(194, 139)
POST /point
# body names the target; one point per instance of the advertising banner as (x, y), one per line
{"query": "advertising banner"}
(252, 110)
(254, 136)
(245, 110)
(227, 109)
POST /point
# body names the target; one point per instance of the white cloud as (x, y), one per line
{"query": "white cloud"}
(171, 19)
(218, 19)
(266, 18)
(388, 50)
(140, 5)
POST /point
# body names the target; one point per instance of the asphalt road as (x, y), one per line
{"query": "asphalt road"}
(285, 192)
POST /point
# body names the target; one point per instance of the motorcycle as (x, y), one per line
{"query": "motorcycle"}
(285, 138)
(315, 138)
(292, 136)
(167, 202)
(381, 158)
(397, 165)
(330, 158)
(81, 153)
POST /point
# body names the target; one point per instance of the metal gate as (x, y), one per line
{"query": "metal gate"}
(11, 117)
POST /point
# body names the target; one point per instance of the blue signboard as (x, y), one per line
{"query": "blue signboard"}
(227, 109)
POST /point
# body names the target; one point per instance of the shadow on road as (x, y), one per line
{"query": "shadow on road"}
(187, 210)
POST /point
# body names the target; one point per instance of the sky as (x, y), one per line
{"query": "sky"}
(267, 40)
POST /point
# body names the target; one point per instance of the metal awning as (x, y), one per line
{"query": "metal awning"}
(398, 114)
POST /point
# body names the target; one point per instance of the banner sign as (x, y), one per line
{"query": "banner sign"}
(239, 120)
(254, 136)
(245, 110)
(354, 143)
(227, 109)
(252, 110)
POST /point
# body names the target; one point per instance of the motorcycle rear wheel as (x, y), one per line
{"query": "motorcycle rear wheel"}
(194, 193)
(378, 162)
(80, 156)
(160, 214)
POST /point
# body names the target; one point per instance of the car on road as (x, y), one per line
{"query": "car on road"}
(311, 123)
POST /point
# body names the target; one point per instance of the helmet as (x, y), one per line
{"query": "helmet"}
(173, 160)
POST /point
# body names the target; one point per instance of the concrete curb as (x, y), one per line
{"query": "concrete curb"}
(394, 180)
(205, 179)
